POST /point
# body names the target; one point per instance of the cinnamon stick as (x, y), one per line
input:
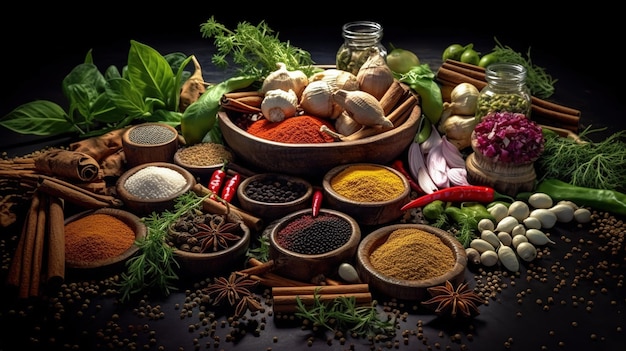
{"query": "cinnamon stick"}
(274, 280)
(288, 303)
(68, 164)
(23, 259)
(76, 195)
(320, 289)
(393, 96)
(213, 206)
(262, 268)
(56, 242)
(38, 249)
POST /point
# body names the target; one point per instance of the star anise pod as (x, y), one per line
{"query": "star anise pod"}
(216, 234)
(451, 301)
(236, 290)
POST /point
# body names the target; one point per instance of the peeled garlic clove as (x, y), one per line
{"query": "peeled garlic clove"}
(364, 108)
(278, 104)
(345, 125)
(526, 251)
(374, 76)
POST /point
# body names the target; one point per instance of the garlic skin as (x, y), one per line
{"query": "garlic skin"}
(317, 100)
(337, 79)
(463, 101)
(374, 76)
(278, 104)
(346, 125)
(458, 130)
(285, 80)
(363, 107)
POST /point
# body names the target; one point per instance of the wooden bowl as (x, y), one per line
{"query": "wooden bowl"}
(401, 288)
(270, 211)
(144, 206)
(366, 213)
(149, 142)
(215, 263)
(315, 159)
(304, 267)
(203, 169)
(113, 263)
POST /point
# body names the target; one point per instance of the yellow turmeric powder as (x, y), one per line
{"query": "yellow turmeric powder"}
(96, 237)
(412, 254)
(367, 183)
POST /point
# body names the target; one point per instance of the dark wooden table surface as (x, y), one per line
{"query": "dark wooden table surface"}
(587, 311)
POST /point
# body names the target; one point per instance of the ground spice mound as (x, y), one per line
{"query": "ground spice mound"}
(303, 129)
(96, 237)
(412, 254)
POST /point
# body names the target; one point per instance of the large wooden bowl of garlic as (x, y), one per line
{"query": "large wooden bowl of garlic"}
(372, 144)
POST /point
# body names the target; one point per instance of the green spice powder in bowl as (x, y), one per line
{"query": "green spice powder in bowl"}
(305, 247)
(371, 193)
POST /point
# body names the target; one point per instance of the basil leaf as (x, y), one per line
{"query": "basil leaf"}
(150, 73)
(126, 97)
(38, 118)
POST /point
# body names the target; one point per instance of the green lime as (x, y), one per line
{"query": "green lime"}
(488, 59)
(470, 56)
(401, 61)
(453, 52)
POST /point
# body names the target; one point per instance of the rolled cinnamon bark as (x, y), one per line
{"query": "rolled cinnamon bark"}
(72, 165)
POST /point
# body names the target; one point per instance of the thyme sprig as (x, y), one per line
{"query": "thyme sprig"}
(255, 49)
(154, 267)
(343, 314)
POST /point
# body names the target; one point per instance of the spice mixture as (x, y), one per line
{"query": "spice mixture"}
(412, 254)
(367, 183)
(295, 130)
(151, 134)
(96, 237)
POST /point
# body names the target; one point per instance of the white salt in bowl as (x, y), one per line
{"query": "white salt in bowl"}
(153, 187)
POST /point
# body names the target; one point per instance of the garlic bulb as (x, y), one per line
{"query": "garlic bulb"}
(317, 100)
(278, 104)
(363, 107)
(463, 101)
(285, 80)
(337, 78)
(346, 125)
(458, 130)
(375, 77)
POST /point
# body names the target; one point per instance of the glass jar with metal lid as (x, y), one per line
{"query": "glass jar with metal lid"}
(506, 90)
(360, 38)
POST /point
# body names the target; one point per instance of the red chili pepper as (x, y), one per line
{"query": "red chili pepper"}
(398, 165)
(317, 202)
(230, 188)
(457, 193)
(216, 181)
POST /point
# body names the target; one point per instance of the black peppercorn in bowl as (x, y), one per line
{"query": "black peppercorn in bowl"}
(272, 195)
(304, 247)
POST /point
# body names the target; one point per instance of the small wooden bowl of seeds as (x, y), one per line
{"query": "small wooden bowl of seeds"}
(153, 187)
(273, 195)
(304, 247)
(203, 158)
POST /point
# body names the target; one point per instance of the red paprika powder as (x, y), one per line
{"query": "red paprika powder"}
(303, 129)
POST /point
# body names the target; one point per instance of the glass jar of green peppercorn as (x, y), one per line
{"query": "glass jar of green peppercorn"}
(506, 90)
(360, 38)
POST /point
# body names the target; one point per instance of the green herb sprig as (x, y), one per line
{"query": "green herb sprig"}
(539, 82)
(343, 314)
(255, 49)
(598, 165)
(154, 267)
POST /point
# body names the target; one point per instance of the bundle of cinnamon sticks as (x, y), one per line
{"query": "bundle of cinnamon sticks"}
(40, 253)
(452, 72)
(285, 298)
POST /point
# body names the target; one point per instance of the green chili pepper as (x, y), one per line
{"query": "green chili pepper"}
(200, 117)
(433, 210)
(477, 211)
(599, 199)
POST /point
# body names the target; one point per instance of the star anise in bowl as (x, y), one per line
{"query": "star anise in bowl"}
(454, 301)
